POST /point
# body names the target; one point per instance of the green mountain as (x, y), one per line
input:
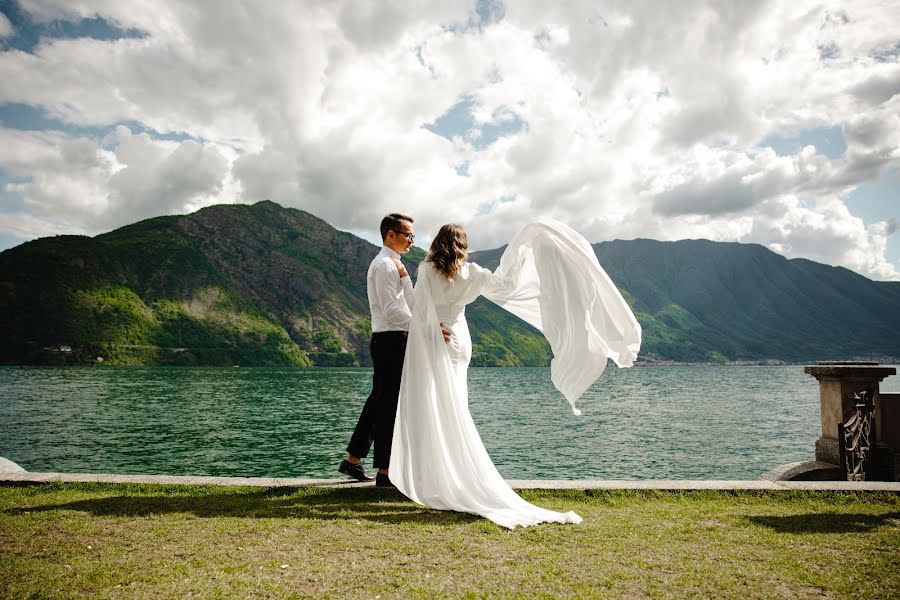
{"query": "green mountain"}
(229, 284)
(703, 301)
(266, 285)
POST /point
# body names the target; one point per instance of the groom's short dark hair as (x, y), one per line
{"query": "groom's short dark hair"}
(392, 221)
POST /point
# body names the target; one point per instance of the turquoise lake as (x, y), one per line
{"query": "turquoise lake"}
(691, 422)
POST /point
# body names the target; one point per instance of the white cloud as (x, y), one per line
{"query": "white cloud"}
(827, 230)
(27, 226)
(643, 121)
(75, 181)
(162, 178)
(69, 176)
(6, 28)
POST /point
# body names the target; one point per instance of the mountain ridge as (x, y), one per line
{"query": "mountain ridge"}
(262, 284)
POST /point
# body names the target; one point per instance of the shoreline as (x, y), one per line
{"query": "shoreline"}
(773, 362)
(29, 478)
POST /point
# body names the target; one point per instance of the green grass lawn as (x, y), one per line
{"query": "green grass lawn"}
(110, 540)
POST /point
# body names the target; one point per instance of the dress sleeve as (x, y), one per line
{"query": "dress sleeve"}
(489, 283)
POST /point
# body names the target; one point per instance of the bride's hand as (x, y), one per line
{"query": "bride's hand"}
(400, 268)
(445, 331)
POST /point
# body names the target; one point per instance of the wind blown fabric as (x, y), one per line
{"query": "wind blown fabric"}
(549, 277)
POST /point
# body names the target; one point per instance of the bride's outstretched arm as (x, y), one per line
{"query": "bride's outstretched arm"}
(494, 283)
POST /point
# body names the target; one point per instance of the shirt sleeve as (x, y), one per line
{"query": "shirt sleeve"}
(391, 292)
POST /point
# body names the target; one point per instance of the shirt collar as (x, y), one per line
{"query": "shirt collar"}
(389, 252)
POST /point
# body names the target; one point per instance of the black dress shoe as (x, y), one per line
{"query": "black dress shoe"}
(355, 471)
(382, 480)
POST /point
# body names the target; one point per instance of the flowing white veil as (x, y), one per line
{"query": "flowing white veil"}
(562, 291)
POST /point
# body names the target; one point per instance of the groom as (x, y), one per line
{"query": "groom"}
(390, 302)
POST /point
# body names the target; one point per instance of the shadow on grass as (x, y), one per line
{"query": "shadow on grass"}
(825, 522)
(383, 506)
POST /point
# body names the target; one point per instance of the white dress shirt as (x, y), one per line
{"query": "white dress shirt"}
(390, 297)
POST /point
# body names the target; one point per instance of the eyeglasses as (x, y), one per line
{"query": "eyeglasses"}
(410, 236)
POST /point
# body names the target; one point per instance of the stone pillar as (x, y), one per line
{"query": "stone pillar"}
(838, 381)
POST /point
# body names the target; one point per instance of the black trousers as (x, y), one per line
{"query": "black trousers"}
(376, 422)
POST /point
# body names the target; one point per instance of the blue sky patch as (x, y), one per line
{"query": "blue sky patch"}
(487, 12)
(829, 141)
(879, 201)
(9, 241)
(31, 118)
(829, 51)
(458, 121)
(887, 54)
(486, 208)
(455, 121)
(11, 201)
(490, 11)
(491, 132)
(28, 33)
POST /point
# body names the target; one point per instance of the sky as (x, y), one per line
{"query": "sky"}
(768, 122)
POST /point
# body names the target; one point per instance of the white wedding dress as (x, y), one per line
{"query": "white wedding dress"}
(548, 276)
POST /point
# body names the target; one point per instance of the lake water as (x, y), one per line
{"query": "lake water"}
(690, 422)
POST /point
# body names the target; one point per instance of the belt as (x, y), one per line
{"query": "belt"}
(390, 333)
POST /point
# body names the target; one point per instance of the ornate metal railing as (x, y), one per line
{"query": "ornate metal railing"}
(856, 439)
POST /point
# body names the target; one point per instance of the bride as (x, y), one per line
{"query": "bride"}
(549, 277)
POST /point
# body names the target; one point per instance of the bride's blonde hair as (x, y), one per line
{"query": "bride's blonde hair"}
(449, 250)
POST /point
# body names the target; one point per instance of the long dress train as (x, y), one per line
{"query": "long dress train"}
(549, 277)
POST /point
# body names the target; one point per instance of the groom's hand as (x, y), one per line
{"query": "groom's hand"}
(400, 268)
(446, 333)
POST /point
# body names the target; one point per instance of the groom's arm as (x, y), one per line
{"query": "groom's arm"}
(408, 292)
(394, 294)
(406, 283)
